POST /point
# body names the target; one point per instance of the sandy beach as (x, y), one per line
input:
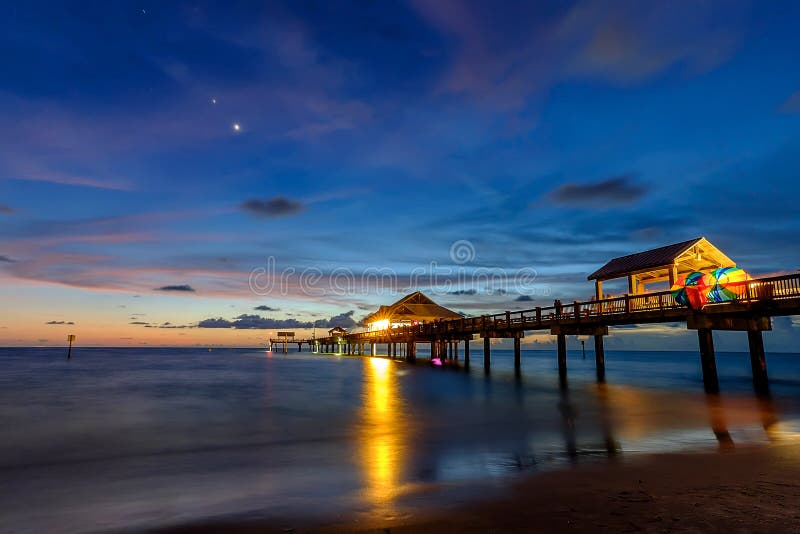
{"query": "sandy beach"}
(752, 489)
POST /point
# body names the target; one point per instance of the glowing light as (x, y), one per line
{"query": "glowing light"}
(383, 324)
(237, 127)
(213, 100)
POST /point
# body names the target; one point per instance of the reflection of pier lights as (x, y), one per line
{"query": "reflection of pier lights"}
(383, 435)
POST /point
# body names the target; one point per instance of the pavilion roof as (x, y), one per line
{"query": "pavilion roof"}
(692, 255)
(414, 307)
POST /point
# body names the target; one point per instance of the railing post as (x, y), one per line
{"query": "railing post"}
(627, 303)
(508, 319)
(577, 307)
(538, 315)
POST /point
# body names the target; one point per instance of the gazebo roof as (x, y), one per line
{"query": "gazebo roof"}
(413, 307)
(693, 255)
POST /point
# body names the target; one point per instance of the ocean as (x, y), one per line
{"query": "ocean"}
(129, 438)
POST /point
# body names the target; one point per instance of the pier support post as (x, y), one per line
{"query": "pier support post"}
(708, 361)
(455, 350)
(486, 354)
(562, 355)
(517, 356)
(758, 361)
(466, 352)
(411, 351)
(600, 358)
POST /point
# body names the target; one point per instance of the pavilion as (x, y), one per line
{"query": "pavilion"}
(337, 332)
(663, 264)
(413, 309)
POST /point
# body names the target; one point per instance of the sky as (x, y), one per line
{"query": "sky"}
(200, 173)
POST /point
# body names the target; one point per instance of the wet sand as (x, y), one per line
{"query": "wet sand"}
(738, 490)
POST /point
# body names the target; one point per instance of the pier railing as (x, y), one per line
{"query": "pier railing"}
(775, 288)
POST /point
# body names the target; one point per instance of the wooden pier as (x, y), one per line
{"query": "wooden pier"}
(763, 299)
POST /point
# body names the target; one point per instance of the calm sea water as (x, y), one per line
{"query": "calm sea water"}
(141, 438)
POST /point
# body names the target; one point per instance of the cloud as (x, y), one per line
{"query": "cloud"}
(59, 322)
(6, 259)
(182, 287)
(344, 320)
(256, 322)
(612, 191)
(464, 292)
(524, 298)
(139, 322)
(792, 104)
(253, 322)
(508, 57)
(265, 308)
(273, 207)
(8, 210)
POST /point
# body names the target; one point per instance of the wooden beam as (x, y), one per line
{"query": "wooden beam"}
(673, 274)
(698, 321)
(632, 284)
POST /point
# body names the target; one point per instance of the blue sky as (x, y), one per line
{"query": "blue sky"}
(373, 136)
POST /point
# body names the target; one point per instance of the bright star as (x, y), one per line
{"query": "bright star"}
(236, 127)
(213, 100)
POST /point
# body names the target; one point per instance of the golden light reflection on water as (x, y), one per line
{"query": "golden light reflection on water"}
(636, 415)
(383, 435)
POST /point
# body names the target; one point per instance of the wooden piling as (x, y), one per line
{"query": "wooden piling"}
(562, 355)
(517, 355)
(600, 358)
(466, 352)
(758, 361)
(411, 351)
(487, 353)
(708, 361)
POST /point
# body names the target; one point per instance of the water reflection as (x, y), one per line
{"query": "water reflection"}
(568, 415)
(719, 422)
(384, 434)
(606, 421)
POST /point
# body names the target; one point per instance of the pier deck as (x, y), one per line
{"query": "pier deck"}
(763, 299)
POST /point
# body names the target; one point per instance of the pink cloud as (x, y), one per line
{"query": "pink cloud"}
(620, 43)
